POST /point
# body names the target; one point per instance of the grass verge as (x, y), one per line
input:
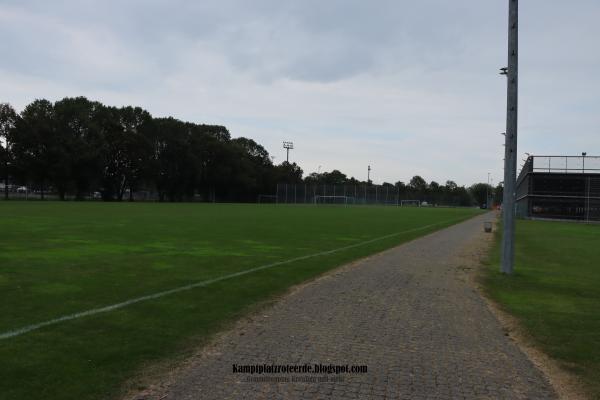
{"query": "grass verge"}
(555, 293)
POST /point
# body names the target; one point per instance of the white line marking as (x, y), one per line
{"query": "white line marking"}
(29, 328)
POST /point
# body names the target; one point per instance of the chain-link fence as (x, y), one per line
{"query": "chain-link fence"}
(338, 194)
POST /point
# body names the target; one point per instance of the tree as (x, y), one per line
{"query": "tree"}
(435, 192)
(8, 121)
(334, 177)
(126, 151)
(38, 155)
(135, 124)
(254, 150)
(418, 186)
(78, 146)
(77, 120)
(288, 173)
(313, 178)
(498, 193)
(451, 185)
(417, 183)
(462, 197)
(480, 191)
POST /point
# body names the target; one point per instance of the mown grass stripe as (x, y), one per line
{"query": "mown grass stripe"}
(94, 311)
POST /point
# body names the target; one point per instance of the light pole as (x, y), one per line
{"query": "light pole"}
(368, 174)
(487, 194)
(583, 155)
(510, 149)
(288, 146)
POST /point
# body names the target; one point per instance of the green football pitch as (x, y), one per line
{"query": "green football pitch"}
(93, 293)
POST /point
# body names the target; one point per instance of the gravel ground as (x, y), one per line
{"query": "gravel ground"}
(410, 314)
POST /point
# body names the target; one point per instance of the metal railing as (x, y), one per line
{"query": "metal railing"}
(563, 164)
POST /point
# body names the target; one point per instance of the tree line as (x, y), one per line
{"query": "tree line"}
(78, 147)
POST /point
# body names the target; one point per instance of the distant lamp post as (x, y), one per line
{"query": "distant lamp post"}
(368, 174)
(583, 155)
(487, 194)
(288, 146)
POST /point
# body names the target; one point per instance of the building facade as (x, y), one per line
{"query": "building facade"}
(559, 187)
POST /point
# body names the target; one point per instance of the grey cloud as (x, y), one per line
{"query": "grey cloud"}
(415, 82)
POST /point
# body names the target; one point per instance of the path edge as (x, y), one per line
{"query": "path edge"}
(155, 378)
(566, 384)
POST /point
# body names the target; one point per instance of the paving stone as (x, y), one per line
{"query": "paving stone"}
(408, 313)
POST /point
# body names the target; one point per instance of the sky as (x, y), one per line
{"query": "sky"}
(409, 88)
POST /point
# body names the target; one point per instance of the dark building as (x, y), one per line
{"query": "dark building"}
(559, 187)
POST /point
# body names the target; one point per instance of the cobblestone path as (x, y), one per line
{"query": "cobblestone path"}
(410, 314)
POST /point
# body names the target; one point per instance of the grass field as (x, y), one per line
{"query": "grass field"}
(555, 292)
(62, 258)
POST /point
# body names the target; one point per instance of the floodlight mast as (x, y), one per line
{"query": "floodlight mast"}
(510, 149)
(288, 146)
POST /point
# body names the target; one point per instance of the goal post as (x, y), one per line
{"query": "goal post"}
(319, 199)
(410, 203)
(267, 199)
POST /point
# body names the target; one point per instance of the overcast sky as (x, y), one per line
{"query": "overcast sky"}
(409, 87)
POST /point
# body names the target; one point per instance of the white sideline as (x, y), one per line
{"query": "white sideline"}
(29, 328)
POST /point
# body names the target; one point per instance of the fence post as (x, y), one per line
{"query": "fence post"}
(587, 210)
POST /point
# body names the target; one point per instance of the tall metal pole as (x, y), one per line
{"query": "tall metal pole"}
(487, 194)
(510, 150)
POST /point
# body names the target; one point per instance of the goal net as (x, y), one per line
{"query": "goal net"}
(410, 203)
(334, 200)
(267, 198)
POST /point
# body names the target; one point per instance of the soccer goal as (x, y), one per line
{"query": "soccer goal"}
(410, 203)
(267, 198)
(333, 199)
